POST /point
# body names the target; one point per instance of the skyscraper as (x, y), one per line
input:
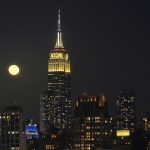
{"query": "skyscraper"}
(92, 125)
(11, 129)
(59, 83)
(125, 103)
(126, 119)
(44, 111)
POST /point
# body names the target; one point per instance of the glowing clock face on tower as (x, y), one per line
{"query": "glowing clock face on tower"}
(13, 70)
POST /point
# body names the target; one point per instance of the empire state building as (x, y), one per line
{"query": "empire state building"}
(59, 83)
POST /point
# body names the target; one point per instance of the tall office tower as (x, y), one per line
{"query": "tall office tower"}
(92, 125)
(125, 103)
(11, 129)
(59, 83)
(44, 111)
(125, 118)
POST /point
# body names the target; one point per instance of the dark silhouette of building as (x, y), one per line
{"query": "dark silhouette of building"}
(92, 124)
(146, 122)
(47, 141)
(11, 129)
(139, 140)
(44, 112)
(145, 127)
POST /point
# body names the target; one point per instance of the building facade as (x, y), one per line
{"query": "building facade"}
(11, 129)
(125, 117)
(92, 125)
(125, 104)
(145, 124)
(59, 83)
(44, 111)
(31, 134)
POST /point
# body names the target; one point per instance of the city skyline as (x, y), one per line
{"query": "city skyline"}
(108, 44)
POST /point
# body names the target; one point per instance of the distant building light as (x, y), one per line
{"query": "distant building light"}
(123, 133)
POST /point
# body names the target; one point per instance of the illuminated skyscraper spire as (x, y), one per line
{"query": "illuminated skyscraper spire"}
(59, 84)
(59, 42)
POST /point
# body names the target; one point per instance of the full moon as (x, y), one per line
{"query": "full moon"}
(13, 70)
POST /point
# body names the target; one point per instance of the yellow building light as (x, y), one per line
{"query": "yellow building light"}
(88, 118)
(123, 133)
(53, 136)
(56, 56)
(145, 119)
(59, 62)
(102, 100)
(88, 127)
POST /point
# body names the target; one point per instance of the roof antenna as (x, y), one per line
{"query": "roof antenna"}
(59, 41)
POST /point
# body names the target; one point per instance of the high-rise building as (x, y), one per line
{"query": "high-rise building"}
(59, 83)
(92, 124)
(125, 103)
(125, 117)
(11, 129)
(44, 111)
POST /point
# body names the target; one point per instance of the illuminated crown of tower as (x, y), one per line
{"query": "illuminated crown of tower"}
(58, 57)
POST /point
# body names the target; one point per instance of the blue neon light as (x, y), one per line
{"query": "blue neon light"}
(31, 131)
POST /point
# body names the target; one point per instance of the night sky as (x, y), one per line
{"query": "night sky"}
(108, 42)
